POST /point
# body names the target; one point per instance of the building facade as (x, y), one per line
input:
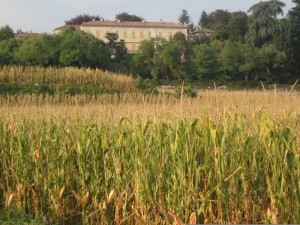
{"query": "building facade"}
(131, 32)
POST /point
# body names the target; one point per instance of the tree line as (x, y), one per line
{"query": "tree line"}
(244, 46)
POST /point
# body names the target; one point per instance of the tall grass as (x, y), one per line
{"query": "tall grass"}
(232, 170)
(130, 158)
(67, 75)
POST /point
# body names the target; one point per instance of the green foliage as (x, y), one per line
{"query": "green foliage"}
(80, 49)
(14, 217)
(218, 18)
(78, 20)
(203, 20)
(184, 18)
(7, 51)
(263, 25)
(206, 59)
(143, 59)
(170, 56)
(230, 58)
(124, 16)
(237, 26)
(147, 86)
(187, 91)
(62, 89)
(6, 33)
(161, 59)
(18, 89)
(294, 19)
(271, 59)
(41, 50)
(117, 48)
(74, 89)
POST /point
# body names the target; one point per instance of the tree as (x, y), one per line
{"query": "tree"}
(6, 33)
(81, 49)
(237, 26)
(235, 29)
(142, 61)
(249, 59)
(78, 20)
(206, 59)
(7, 51)
(180, 41)
(124, 16)
(263, 25)
(294, 18)
(171, 59)
(230, 58)
(204, 20)
(112, 42)
(271, 59)
(218, 18)
(42, 50)
(117, 48)
(118, 51)
(184, 18)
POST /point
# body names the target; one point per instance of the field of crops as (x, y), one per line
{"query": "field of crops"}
(130, 158)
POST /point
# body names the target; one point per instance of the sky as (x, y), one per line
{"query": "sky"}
(45, 15)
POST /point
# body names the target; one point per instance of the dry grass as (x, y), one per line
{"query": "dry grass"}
(139, 107)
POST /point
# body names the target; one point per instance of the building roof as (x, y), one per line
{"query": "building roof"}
(77, 27)
(203, 30)
(25, 35)
(134, 24)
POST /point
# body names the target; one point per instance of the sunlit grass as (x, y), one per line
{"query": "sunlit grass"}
(130, 158)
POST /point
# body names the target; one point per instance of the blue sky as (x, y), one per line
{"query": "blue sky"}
(45, 15)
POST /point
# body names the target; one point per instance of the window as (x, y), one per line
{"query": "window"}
(97, 34)
(141, 35)
(125, 34)
(133, 46)
(133, 34)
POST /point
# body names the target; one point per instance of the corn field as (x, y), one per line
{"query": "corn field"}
(223, 157)
(68, 75)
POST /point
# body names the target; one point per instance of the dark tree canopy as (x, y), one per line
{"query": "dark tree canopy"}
(204, 20)
(117, 48)
(237, 26)
(6, 33)
(77, 20)
(124, 16)
(184, 18)
(294, 17)
(263, 23)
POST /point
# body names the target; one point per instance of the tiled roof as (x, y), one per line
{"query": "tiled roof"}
(77, 27)
(25, 34)
(203, 30)
(134, 24)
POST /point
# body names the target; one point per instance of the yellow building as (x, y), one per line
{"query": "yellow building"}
(131, 32)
